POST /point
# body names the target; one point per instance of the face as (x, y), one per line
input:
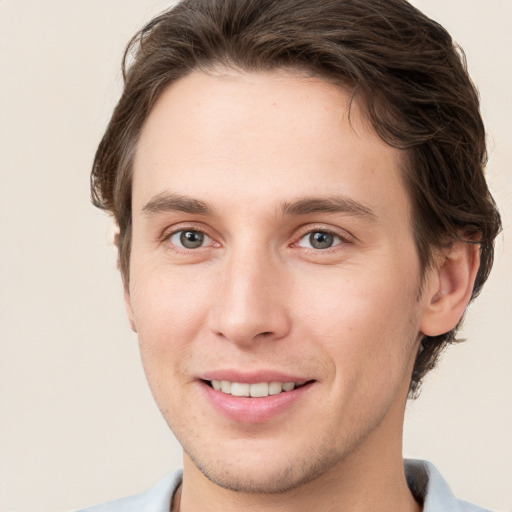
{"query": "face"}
(272, 256)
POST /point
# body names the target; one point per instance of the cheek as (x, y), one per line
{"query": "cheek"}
(166, 298)
(358, 300)
(366, 325)
(169, 311)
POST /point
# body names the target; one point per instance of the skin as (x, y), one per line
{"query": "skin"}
(257, 296)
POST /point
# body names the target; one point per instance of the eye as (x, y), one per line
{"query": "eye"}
(319, 240)
(189, 239)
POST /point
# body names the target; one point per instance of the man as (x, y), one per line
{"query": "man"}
(303, 219)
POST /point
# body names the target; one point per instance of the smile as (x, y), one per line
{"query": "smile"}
(256, 390)
(256, 401)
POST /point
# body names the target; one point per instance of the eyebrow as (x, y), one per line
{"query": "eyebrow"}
(166, 202)
(329, 204)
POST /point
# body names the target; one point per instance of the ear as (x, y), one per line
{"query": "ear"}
(128, 307)
(449, 288)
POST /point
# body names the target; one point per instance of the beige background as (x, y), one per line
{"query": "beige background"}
(77, 424)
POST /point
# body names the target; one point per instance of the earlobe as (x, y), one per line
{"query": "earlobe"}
(451, 286)
(128, 307)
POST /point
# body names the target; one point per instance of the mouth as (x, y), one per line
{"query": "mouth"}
(256, 401)
(254, 390)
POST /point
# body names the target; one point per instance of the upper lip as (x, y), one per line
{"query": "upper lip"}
(253, 377)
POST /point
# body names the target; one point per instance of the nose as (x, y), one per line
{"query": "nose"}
(251, 301)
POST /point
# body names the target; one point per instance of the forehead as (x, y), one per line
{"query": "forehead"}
(263, 137)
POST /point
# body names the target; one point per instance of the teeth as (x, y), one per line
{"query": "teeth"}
(274, 388)
(288, 386)
(238, 389)
(258, 390)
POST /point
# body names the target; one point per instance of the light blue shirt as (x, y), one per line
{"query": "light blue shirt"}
(425, 482)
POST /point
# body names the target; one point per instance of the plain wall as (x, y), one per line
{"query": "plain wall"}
(77, 423)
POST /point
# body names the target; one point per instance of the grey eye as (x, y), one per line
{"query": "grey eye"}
(189, 239)
(319, 240)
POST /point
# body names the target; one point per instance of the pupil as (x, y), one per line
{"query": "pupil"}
(320, 240)
(191, 239)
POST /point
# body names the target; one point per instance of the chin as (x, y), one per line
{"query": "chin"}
(265, 474)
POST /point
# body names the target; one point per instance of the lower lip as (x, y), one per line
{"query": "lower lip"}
(253, 410)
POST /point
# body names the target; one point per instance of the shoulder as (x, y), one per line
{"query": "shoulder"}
(156, 499)
(428, 485)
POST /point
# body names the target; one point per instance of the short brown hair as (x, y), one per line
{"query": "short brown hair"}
(402, 67)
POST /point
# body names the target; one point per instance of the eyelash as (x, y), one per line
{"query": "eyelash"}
(167, 237)
(338, 239)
